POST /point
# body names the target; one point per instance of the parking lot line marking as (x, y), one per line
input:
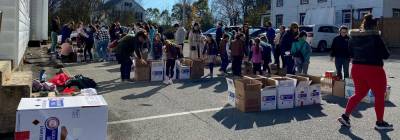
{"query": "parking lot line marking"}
(168, 115)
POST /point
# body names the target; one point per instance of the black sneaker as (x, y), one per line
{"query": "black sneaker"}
(344, 120)
(383, 125)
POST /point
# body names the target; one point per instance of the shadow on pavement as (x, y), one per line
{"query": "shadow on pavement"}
(114, 85)
(384, 135)
(342, 102)
(206, 83)
(233, 118)
(144, 94)
(347, 131)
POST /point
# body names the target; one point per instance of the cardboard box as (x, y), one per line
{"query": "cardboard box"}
(315, 89)
(338, 88)
(248, 105)
(157, 70)
(78, 117)
(285, 92)
(231, 92)
(326, 86)
(248, 94)
(247, 89)
(197, 69)
(183, 71)
(370, 98)
(302, 94)
(268, 96)
(141, 71)
(260, 78)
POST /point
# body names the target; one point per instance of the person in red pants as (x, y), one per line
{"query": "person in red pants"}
(367, 51)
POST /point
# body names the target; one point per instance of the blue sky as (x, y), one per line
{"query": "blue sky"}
(160, 4)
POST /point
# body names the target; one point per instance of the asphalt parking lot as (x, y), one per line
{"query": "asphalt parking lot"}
(197, 109)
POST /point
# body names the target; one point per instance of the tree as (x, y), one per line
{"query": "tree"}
(74, 10)
(201, 14)
(227, 11)
(165, 18)
(153, 15)
(177, 11)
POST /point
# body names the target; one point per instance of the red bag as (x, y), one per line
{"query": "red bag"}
(59, 79)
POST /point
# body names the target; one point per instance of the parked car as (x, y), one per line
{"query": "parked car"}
(256, 32)
(321, 36)
(211, 32)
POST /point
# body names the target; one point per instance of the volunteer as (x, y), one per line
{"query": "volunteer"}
(237, 54)
(286, 45)
(224, 54)
(157, 47)
(180, 35)
(266, 54)
(195, 41)
(301, 51)
(341, 53)
(172, 52)
(277, 41)
(256, 56)
(126, 47)
(55, 30)
(210, 50)
(367, 51)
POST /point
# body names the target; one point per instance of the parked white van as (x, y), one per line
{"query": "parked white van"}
(320, 36)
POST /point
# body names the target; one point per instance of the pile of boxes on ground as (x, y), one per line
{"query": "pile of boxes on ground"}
(331, 85)
(74, 117)
(154, 70)
(260, 93)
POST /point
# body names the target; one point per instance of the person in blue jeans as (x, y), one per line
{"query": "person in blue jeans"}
(55, 30)
(266, 56)
(223, 54)
(211, 50)
(341, 52)
(104, 38)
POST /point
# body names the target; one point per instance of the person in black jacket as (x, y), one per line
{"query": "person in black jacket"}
(341, 52)
(219, 33)
(125, 49)
(286, 45)
(367, 53)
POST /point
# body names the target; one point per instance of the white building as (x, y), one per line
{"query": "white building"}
(15, 30)
(338, 12)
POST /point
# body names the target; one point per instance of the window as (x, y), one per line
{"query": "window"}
(322, 1)
(346, 16)
(396, 12)
(303, 1)
(363, 12)
(301, 17)
(328, 29)
(279, 20)
(279, 3)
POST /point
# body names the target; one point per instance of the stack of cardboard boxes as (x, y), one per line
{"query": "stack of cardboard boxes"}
(259, 93)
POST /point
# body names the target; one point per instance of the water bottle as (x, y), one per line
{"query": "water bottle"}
(42, 76)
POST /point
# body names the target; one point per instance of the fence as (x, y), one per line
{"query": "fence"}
(390, 29)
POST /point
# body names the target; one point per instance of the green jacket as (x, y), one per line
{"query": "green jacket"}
(304, 47)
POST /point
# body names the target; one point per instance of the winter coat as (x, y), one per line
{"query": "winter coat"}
(367, 48)
(302, 46)
(340, 47)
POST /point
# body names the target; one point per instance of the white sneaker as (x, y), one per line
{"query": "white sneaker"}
(166, 82)
(170, 81)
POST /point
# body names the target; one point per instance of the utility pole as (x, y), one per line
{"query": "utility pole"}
(184, 13)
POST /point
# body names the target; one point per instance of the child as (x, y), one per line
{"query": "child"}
(266, 54)
(157, 47)
(223, 54)
(211, 50)
(256, 56)
(67, 54)
(172, 52)
(301, 51)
